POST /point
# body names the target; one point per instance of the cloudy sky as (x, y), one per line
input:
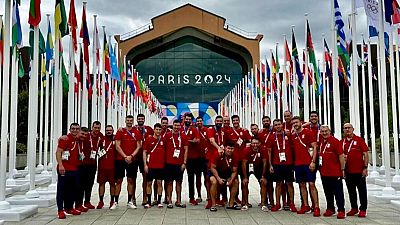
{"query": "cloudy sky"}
(272, 18)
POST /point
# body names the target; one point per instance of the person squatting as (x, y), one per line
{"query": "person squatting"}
(225, 156)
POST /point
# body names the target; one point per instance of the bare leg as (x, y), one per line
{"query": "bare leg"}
(213, 191)
(304, 193)
(314, 194)
(233, 191)
(178, 189)
(278, 192)
(263, 187)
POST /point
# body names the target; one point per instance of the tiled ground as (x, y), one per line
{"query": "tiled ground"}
(377, 214)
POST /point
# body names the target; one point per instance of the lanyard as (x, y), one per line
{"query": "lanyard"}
(269, 132)
(227, 162)
(201, 133)
(91, 141)
(158, 142)
(186, 130)
(142, 130)
(256, 156)
(301, 142)
(283, 140)
(132, 135)
(351, 144)
(165, 132)
(222, 137)
(236, 132)
(326, 145)
(179, 140)
(80, 147)
(109, 146)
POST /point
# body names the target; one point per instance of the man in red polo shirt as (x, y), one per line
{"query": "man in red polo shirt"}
(287, 124)
(264, 134)
(175, 164)
(128, 141)
(331, 167)
(105, 173)
(202, 148)
(194, 163)
(305, 155)
(254, 130)
(356, 154)
(165, 130)
(146, 131)
(216, 137)
(67, 156)
(281, 164)
(88, 167)
(153, 159)
(314, 125)
(254, 161)
(223, 173)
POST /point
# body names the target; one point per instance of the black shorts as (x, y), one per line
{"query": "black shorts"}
(257, 171)
(195, 166)
(304, 174)
(283, 173)
(173, 173)
(141, 166)
(155, 174)
(222, 175)
(121, 166)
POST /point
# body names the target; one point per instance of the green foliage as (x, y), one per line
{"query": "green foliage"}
(21, 148)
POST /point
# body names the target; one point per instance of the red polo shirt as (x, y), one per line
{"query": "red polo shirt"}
(129, 139)
(180, 141)
(69, 143)
(224, 164)
(264, 135)
(219, 137)
(354, 150)
(255, 157)
(330, 149)
(244, 135)
(202, 147)
(91, 144)
(192, 133)
(284, 146)
(156, 149)
(108, 160)
(301, 143)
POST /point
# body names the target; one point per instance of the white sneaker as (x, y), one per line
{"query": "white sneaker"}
(264, 208)
(245, 208)
(114, 206)
(131, 205)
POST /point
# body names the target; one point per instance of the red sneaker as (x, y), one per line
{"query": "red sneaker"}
(100, 205)
(317, 212)
(352, 212)
(341, 215)
(362, 213)
(304, 209)
(275, 208)
(328, 213)
(193, 202)
(111, 204)
(81, 208)
(89, 205)
(74, 212)
(61, 214)
(292, 208)
(209, 204)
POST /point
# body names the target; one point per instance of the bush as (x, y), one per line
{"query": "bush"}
(21, 148)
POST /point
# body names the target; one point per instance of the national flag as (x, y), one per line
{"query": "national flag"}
(64, 75)
(49, 47)
(42, 44)
(72, 22)
(288, 58)
(389, 11)
(84, 34)
(60, 20)
(1, 43)
(114, 66)
(77, 80)
(268, 74)
(106, 55)
(16, 27)
(129, 81)
(34, 13)
(21, 70)
(274, 74)
(81, 71)
(106, 89)
(396, 13)
(311, 57)
(295, 55)
(136, 82)
(365, 48)
(341, 42)
(43, 70)
(96, 46)
(328, 59)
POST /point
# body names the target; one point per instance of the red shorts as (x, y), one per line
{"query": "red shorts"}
(106, 175)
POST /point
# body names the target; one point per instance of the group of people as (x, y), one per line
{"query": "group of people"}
(226, 156)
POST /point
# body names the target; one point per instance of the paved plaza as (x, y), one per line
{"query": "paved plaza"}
(377, 213)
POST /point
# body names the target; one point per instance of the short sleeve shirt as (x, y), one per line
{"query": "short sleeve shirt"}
(129, 139)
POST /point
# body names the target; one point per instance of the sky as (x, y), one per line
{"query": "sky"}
(271, 18)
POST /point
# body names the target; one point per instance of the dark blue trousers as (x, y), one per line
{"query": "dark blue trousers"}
(333, 188)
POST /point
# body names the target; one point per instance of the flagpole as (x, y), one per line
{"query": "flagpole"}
(71, 81)
(336, 91)
(396, 177)
(355, 82)
(85, 99)
(4, 108)
(95, 74)
(296, 103)
(266, 111)
(1, 61)
(306, 109)
(46, 115)
(388, 190)
(365, 125)
(13, 117)
(272, 104)
(41, 113)
(103, 95)
(394, 108)
(319, 95)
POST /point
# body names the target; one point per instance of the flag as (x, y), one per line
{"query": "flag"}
(106, 89)
(21, 70)
(114, 67)
(16, 27)
(73, 24)
(396, 13)
(274, 74)
(268, 74)
(365, 47)
(34, 13)
(389, 11)
(43, 70)
(96, 43)
(311, 57)
(49, 47)
(341, 43)
(136, 82)
(328, 59)
(42, 44)
(64, 75)
(60, 20)
(106, 56)
(295, 55)
(84, 34)
(1, 43)
(129, 81)
(77, 80)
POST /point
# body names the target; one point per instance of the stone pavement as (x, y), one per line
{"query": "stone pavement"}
(377, 213)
